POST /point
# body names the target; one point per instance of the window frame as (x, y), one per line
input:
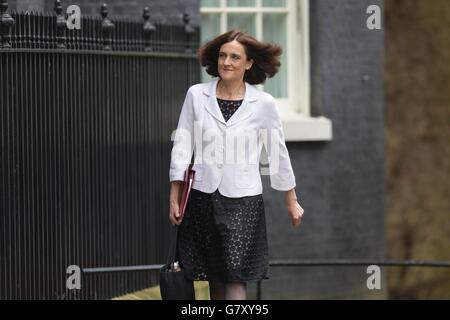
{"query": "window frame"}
(295, 110)
(297, 47)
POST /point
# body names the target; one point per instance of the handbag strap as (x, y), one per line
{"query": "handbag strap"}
(173, 249)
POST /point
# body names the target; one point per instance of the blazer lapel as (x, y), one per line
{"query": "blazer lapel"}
(211, 105)
(243, 112)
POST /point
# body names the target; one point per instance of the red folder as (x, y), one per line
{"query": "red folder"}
(187, 186)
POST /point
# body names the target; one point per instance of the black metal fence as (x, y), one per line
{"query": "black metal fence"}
(85, 122)
(289, 264)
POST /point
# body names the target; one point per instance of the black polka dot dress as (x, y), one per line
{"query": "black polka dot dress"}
(228, 107)
(224, 239)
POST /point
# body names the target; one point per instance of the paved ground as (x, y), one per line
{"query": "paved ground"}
(201, 293)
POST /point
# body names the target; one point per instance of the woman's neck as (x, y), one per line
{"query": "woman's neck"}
(230, 90)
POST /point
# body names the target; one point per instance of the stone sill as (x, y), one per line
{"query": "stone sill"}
(298, 127)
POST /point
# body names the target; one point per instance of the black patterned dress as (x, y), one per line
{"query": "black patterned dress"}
(224, 239)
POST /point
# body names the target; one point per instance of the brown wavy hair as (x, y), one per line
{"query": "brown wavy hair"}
(266, 56)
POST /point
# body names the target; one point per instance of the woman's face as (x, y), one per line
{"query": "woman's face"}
(233, 61)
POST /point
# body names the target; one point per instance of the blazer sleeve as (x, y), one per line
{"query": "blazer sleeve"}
(281, 175)
(183, 140)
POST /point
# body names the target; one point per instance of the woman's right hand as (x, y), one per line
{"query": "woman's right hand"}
(174, 215)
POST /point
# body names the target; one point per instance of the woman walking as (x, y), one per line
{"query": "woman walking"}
(222, 236)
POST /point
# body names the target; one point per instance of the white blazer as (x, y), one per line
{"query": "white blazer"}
(227, 153)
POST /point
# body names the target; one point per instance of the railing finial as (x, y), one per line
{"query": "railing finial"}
(104, 10)
(148, 29)
(6, 23)
(188, 29)
(107, 27)
(58, 7)
(60, 25)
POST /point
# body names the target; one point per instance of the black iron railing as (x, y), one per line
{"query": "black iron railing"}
(40, 30)
(86, 118)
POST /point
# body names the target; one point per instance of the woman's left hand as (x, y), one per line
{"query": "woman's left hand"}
(296, 213)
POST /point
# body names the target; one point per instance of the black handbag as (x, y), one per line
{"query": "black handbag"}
(173, 283)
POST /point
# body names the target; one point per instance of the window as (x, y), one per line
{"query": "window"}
(286, 23)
